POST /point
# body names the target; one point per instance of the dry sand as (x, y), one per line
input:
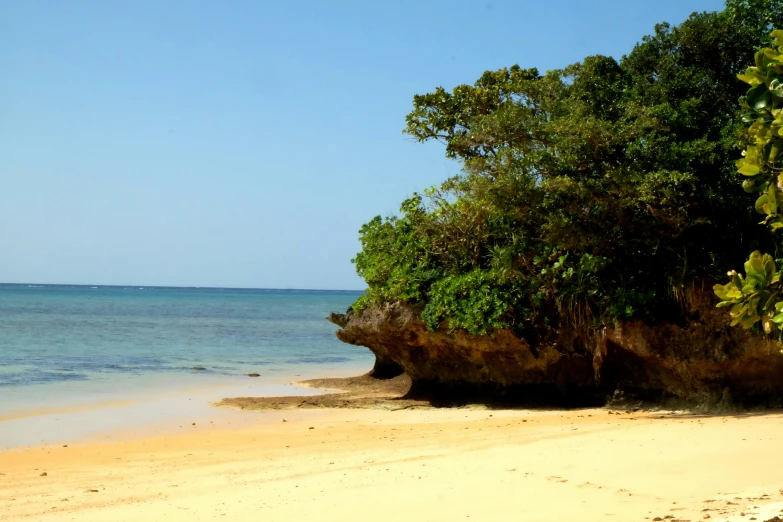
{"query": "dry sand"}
(414, 465)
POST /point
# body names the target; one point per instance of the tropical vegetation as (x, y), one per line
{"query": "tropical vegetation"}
(757, 298)
(594, 193)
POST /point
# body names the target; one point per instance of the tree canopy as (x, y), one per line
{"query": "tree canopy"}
(589, 194)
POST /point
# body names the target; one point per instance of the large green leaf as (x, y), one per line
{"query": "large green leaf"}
(748, 169)
(758, 96)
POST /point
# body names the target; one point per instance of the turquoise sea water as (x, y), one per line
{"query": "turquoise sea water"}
(63, 343)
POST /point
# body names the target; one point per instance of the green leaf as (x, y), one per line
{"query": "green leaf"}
(755, 275)
(770, 55)
(758, 96)
(753, 72)
(749, 170)
(760, 203)
(775, 223)
(759, 59)
(752, 80)
(768, 299)
(771, 77)
(721, 292)
(769, 268)
(734, 292)
(772, 200)
(751, 284)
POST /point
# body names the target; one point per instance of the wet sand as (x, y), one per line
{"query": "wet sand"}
(363, 391)
(417, 464)
(140, 411)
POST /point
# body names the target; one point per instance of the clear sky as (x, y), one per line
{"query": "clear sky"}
(243, 143)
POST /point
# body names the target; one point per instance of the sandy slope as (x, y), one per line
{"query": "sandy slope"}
(415, 466)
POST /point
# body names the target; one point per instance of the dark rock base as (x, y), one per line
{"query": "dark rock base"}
(702, 359)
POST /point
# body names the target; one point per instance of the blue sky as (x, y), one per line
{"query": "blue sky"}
(243, 143)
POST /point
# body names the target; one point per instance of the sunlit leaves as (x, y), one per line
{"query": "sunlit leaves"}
(754, 297)
(757, 297)
(761, 158)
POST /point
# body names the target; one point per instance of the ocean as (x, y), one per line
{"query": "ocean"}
(62, 346)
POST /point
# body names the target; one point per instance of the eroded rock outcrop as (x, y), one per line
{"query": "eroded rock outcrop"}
(703, 359)
(385, 367)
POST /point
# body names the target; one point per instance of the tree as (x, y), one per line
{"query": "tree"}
(589, 194)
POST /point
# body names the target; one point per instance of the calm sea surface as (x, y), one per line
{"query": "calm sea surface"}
(61, 343)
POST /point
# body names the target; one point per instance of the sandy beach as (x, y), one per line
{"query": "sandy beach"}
(427, 464)
(391, 262)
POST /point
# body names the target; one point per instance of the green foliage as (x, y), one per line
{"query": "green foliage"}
(756, 298)
(477, 302)
(395, 260)
(587, 195)
(762, 163)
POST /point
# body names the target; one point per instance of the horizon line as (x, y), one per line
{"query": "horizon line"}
(95, 285)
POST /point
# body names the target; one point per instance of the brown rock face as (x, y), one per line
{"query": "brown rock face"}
(702, 359)
(385, 367)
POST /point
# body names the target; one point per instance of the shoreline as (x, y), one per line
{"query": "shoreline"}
(141, 413)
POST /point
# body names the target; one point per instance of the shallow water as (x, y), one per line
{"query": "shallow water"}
(62, 346)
